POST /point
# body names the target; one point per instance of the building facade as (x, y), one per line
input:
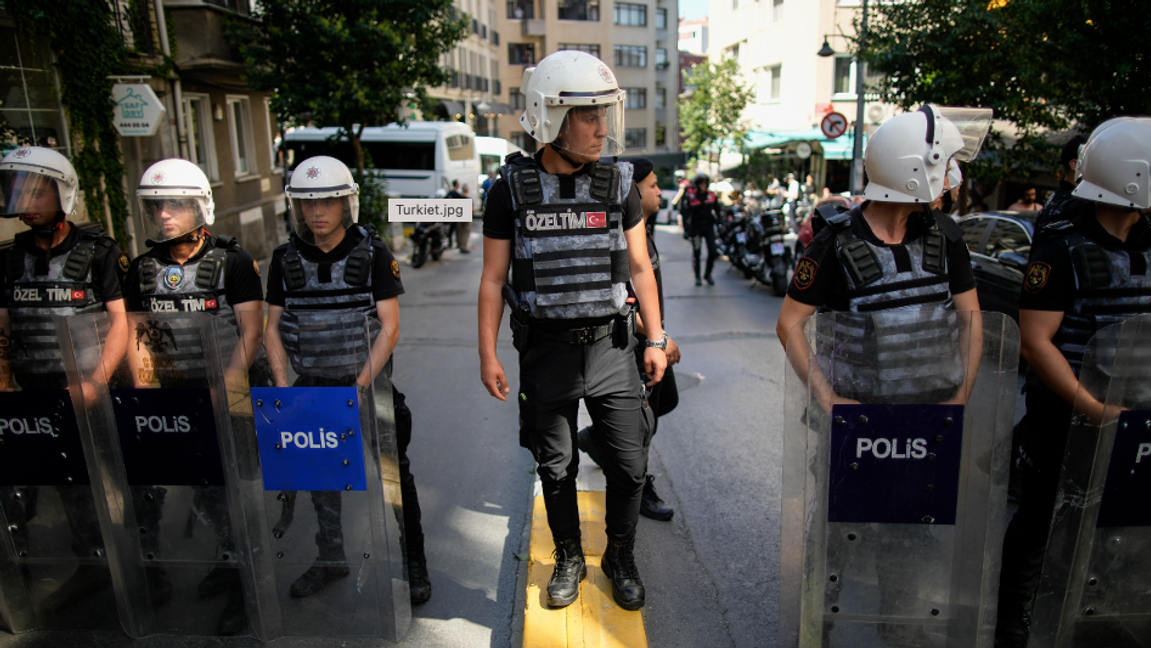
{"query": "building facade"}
(475, 94)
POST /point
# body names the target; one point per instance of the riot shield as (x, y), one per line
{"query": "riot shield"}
(54, 570)
(327, 442)
(895, 464)
(175, 449)
(1093, 589)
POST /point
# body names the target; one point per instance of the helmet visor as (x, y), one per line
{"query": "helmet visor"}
(318, 220)
(25, 192)
(594, 131)
(167, 219)
(973, 125)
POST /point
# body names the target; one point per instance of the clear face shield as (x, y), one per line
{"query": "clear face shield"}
(25, 192)
(318, 220)
(167, 219)
(590, 130)
(964, 130)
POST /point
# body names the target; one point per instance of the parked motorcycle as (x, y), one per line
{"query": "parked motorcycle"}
(736, 239)
(777, 259)
(429, 240)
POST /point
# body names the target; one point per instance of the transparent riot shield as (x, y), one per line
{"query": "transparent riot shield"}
(896, 455)
(54, 570)
(1093, 590)
(327, 441)
(175, 449)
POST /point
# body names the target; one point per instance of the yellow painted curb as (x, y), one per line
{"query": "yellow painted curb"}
(594, 620)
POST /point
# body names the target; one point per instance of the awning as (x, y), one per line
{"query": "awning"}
(840, 148)
(453, 107)
(663, 159)
(503, 109)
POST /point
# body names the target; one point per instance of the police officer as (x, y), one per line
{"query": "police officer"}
(54, 268)
(187, 270)
(702, 209)
(1068, 160)
(569, 226)
(332, 266)
(1087, 272)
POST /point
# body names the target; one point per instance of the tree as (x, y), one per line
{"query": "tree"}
(347, 63)
(1043, 65)
(712, 108)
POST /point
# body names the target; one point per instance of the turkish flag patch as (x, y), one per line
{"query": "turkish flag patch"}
(210, 303)
(77, 294)
(597, 219)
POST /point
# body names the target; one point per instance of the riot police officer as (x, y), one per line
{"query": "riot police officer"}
(702, 209)
(1086, 272)
(343, 270)
(1069, 161)
(569, 226)
(54, 268)
(188, 269)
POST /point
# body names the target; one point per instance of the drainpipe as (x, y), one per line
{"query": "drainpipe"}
(177, 90)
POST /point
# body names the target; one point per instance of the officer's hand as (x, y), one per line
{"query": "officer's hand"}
(492, 375)
(672, 352)
(1101, 414)
(91, 394)
(829, 399)
(654, 363)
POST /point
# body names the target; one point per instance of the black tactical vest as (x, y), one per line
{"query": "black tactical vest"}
(323, 323)
(570, 257)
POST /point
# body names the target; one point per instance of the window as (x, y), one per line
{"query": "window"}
(768, 84)
(661, 62)
(516, 99)
(661, 18)
(661, 97)
(198, 127)
(578, 10)
(521, 54)
(776, 10)
(521, 9)
(1008, 238)
(627, 13)
(660, 135)
(30, 112)
(460, 147)
(973, 229)
(844, 77)
(631, 56)
(590, 48)
(636, 98)
(635, 137)
(524, 141)
(240, 130)
(407, 156)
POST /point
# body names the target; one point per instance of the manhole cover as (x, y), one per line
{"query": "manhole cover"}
(444, 293)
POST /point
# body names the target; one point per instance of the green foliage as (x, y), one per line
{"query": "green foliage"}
(347, 63)
(1041, 64)
(88, 49)
(711, 111)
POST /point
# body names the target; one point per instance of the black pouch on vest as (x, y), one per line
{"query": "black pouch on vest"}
(294, 277)
(1092, 266)
(79, 262)
(208, 274)
(358, 268)
(148, 269)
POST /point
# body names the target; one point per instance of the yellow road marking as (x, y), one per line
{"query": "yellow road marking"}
(594, 620)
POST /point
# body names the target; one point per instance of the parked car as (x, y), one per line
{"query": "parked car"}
(1000, 243)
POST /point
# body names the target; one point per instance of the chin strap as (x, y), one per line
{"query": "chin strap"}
(190, 237)
(56, 226)
(567, 159)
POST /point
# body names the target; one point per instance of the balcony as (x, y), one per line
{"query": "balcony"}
(534, 27)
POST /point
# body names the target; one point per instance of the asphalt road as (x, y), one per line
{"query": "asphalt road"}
(711, 573)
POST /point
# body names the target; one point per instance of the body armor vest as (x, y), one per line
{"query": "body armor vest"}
(1110, 286)
(197, 286)
(570, 257)
(66, 289)
(322, 326)
(903, 343)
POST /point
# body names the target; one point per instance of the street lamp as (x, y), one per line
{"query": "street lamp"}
(857, 152)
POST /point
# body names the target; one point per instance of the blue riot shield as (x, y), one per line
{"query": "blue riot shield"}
(175, 449)
(1093, 590)
(331, 486)
(896, 457)
(54, 570)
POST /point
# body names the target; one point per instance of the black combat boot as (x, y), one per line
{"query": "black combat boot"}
(419, 585)
(81, 585)
(563, 588)
(619, 565)
(233, 620)
(651, 506)
(330, 566)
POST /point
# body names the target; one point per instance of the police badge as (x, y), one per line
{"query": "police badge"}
(805, 273)
(1037, 275)
(174, 276)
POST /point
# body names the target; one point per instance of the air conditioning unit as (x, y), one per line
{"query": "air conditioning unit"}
(877, 113)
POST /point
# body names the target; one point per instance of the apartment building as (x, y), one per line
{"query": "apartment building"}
(634, 38)
(475, 94)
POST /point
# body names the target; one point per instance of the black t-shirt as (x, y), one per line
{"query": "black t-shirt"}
(241, 274)
(385, 269)
(1049, 284)
(828, 285)
(106, 261)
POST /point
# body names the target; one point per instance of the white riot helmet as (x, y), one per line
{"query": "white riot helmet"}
(175, 199)
(1115, 164)
(910, 154)
(571, 79)
(27, 172)
(325, 198)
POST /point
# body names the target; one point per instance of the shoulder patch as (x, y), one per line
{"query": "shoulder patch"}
(124, 262)
(395, 269)
(805, 273)
(256, 267)
(1037, 275)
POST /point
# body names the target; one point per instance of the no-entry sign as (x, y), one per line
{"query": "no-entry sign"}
(833, 125)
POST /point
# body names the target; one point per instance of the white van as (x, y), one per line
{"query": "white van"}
(493, 150)
(417, 159)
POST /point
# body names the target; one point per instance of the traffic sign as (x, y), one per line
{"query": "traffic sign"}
(137, 110)
(833, 125)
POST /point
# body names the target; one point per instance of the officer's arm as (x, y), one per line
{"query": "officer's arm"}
(643, 280)
(1037, 329)
(497, 260)
(5, 338)
(115, 346)
(388, 312)
(250, 318)
(970, 339)
(274, 346)
(790, 315)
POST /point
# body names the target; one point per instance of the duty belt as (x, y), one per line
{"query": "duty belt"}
(589, 335)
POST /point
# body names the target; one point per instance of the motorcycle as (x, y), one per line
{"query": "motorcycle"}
(736, 238)
(429, 240)
(772, 226)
